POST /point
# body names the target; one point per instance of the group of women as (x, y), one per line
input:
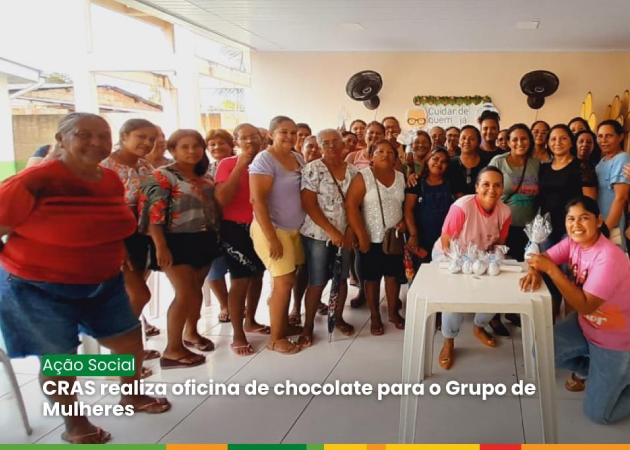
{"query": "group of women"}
(291, 202)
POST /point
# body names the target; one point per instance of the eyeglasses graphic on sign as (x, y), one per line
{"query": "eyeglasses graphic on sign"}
(417, 117)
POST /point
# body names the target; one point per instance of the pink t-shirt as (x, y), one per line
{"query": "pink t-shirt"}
(240, 208)
(358, 160)
(470, 223)
(602, 270)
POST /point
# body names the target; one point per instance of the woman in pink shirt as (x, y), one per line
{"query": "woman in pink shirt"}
(479, 219)
(594, 340)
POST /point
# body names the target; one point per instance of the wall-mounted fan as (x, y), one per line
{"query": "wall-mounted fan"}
(364, 87)
(538, 85)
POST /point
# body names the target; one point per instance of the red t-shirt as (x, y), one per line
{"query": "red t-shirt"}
(64, 229)
(240, 209)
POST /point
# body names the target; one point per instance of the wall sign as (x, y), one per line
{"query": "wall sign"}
(447, 111)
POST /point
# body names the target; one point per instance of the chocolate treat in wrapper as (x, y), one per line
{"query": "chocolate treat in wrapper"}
(481, 265)
(469, 259)
(494, 268)
(455, 257)
(500, 251)
(538, 230)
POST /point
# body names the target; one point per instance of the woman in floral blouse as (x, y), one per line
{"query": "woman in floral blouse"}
(182, 217)
(323, 199)
(137, 139)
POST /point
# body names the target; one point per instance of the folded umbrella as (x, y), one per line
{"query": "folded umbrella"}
(334, 293)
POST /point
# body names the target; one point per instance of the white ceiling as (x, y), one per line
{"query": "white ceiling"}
(410, 25)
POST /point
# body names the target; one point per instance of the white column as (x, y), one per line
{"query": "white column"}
(187, 79)
(85, 93)
(170, 121)
(7, 150)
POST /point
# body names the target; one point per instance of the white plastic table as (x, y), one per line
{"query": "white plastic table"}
(436, 290)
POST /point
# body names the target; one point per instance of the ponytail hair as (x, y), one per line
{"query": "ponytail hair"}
(591, 206)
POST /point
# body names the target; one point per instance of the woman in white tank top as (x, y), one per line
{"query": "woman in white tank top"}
(370, 222)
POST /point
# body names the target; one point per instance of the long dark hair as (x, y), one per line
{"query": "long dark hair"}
(591, 206)
(525, 128)
(567, 130)
(596, 153)
(202, 166)
(616, 126)
(436, 150)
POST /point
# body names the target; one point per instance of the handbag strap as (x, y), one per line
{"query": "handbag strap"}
(520, 183)
(380, 202)
(343, 197)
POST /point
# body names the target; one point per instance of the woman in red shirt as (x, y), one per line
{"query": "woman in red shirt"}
(67, 279)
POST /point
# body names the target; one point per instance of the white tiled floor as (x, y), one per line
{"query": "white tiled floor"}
(275, 419)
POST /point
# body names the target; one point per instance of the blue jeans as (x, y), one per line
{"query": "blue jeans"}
(452, 321)
(320, 258)
(607, 398)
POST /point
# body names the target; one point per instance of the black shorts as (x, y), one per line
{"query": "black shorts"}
(375, 264)
(238, 248)
(137, 246)
(194, 249)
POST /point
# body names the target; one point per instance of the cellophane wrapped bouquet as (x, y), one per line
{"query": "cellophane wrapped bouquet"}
(538, 230)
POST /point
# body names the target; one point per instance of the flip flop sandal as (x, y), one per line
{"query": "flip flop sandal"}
(151, 354)
(399, 325)
(103, 436)
(224, 317)
(265, 329)
(304, 342)
(206, 345)
(145, 373)
(193, 361)
(322, 309)
(575, 384)
(377, 330)
(292, 350)
(151, 331)
(346, 329)
(157, 406)
(295, 320)
(250, 349)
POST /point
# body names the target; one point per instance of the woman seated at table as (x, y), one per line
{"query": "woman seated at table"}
(479, 219)
(594, 340)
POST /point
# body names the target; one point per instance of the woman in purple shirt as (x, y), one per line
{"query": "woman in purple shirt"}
(275, 178)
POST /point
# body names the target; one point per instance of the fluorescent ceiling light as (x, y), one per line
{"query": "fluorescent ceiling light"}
(532, 25)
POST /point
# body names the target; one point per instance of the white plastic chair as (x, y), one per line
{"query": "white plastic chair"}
(16, 389)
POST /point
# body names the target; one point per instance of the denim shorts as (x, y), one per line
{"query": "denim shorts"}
(320, 258)
(41, 318)
(218, 269)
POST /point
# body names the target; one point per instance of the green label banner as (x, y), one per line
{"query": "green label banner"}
(88, 365)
